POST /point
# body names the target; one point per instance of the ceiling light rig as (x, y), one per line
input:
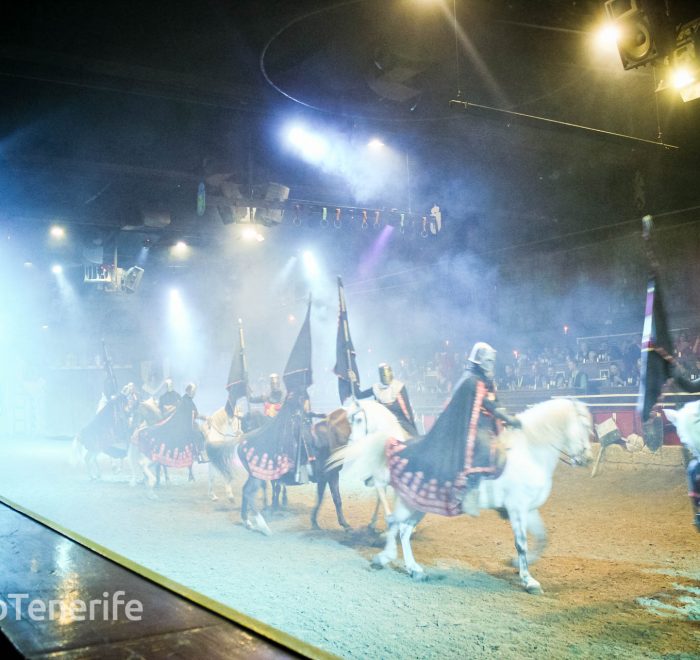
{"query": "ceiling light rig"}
(310, 213)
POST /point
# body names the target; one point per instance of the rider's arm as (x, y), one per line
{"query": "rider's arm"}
(684, 382)
(365, 394)
(500, 413)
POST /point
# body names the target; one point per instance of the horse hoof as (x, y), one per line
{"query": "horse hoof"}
(315, 526)
(418, 576)
(379, 561)
(151, 495)
(534, 587)
(346, 527)
(214, 497)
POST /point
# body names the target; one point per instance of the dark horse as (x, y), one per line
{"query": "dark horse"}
(319, 441)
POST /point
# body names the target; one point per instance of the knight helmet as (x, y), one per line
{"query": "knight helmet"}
(386, 375)
(484, 356)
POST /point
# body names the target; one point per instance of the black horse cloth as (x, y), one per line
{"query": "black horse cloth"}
(278, 447)
(431, 472)
(173, 441)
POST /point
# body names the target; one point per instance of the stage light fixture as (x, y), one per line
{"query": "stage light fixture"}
(57, 232)
(645, 32)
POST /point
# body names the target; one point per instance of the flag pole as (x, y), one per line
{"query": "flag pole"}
(244, 362)
(108, 368)
(346, 331)
(647, 227)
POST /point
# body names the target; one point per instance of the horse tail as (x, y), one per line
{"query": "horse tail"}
(363, 458)
(221, 456)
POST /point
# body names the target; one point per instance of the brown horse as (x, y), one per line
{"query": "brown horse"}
(325, 437)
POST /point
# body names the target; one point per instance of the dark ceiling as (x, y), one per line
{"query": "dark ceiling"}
(113, 110)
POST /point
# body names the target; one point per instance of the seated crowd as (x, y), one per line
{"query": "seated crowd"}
(589, 365)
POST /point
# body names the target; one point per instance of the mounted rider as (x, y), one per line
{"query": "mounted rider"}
(272, 402)
(483, 414)
(392, 394)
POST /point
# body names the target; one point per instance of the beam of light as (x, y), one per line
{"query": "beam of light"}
(477, 61)
(311, 146)
(283, 275)
(373, 256)
(143, 256)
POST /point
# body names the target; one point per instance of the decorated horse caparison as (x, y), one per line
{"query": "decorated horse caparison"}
(552, 430)
(251, 449)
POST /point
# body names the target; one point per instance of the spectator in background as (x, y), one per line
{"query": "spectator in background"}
(582, 354)
(508, 380)
(614, 377)
(577, 379)
(682, 347)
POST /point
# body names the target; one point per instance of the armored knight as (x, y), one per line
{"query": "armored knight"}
(393, 394)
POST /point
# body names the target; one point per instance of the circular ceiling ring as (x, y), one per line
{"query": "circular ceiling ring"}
(311, 106)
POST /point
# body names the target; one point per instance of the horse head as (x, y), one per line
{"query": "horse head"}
(687, 423)
(367, 417)
(565, 425)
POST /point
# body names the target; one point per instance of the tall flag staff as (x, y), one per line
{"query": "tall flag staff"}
(111, 383)
(657, 346)
(345, 356)
(298, 374)
(237, 383)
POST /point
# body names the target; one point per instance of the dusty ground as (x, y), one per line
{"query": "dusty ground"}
(621, 574)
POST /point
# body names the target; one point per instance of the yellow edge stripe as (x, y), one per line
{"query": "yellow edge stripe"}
(243, 620)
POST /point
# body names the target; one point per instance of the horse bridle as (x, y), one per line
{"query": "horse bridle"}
(221, 433)
(566, 457)
(360, 411)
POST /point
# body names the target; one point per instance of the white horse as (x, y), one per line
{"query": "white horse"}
(222, 435)
(687, 423)
(552, 430)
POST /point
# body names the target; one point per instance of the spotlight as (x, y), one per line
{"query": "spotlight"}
(28, 264)
(57, 232)
(375, 143)
(180, 249)
(56, 269)
(310, 264)
(252, 234)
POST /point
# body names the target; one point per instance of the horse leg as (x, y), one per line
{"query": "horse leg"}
(518, 520)
(190, 474)
(134, 460)
(334, 484)
(285, 501)
(276, 488)
(401, 515)
(536, 528)
(381, 494)
(320, 490)
(415, 570)
(157, 474)
(210, 483)
(249, 491)
(373, 523)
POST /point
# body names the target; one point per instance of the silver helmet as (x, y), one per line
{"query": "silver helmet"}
(484, 355)
(386, 374)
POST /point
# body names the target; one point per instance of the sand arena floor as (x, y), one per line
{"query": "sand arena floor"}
(621, 574)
